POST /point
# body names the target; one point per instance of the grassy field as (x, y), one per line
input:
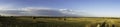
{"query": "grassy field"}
(56, 22)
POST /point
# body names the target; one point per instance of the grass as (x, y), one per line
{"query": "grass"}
(54, 22)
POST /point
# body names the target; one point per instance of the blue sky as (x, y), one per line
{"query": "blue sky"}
(99, 8)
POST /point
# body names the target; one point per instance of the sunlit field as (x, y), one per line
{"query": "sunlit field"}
(58, 22)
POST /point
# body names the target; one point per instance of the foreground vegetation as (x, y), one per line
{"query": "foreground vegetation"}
(56, 21)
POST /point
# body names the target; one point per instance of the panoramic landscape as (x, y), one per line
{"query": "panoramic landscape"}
(59, 13)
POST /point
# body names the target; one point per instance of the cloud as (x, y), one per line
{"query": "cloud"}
(6, 6)
(33, 11)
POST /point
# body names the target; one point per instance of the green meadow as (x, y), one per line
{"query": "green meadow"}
(56, 22)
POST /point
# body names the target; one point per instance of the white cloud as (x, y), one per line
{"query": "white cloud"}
(36, 11)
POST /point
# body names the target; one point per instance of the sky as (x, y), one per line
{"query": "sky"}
(88, 8)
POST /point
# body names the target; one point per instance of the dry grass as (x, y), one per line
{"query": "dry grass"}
(57, 22)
